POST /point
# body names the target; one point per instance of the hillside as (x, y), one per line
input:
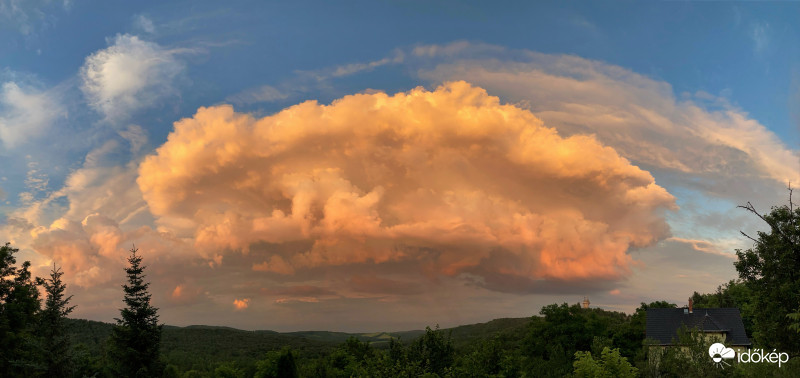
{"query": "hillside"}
(200, 347)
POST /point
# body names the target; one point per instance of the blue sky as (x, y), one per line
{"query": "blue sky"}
(702, 96)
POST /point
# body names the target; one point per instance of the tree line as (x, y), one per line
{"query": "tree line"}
(34, 341)
(562, 340)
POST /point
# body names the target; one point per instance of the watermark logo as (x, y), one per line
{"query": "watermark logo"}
(719, 353)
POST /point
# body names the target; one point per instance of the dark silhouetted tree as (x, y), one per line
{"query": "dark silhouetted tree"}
(19, 306)
(136, 338)
(55, 342)
(771, 271)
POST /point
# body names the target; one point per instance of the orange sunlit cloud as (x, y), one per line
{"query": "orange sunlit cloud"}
(451, 178)
(178, 292)
(241, 304)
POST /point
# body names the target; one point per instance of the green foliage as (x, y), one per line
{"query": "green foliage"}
(193, 374)
(227, 370)
(171, 371)
(434, 351)
(361, 351)
(85, 362)
(611, 364)
(488, 359)
(771, 271)
(553, 340)
(136, 339)
(19, 306)
(587, 367)
(511, 331)
(393, 362)
(795, 318)
(277, 364)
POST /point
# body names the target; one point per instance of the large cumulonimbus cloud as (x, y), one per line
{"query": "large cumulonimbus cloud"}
(449, 179)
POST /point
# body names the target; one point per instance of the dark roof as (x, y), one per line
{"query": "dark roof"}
(663, 324)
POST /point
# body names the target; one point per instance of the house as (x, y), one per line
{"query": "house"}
(722, 325)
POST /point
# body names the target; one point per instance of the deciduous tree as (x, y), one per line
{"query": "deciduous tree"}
(771, 270)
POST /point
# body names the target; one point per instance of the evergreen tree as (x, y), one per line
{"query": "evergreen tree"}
(55, 340)
(19, 305)
(135, 340)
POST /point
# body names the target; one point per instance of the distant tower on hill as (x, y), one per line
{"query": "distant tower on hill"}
(585, 302)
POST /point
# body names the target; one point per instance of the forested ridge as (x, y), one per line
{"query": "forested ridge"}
(204, 348)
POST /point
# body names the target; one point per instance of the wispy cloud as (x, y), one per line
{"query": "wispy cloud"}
(311, 80)
(759, 34)
(638, 116)
(36, 183)
(264, 93)
(28, 16)
(703, 246)
(144, 23)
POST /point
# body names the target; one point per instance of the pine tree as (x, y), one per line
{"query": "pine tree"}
(19, 306)
(135, 340)
(55, 340)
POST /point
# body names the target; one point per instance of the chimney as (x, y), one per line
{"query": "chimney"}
(690, 305)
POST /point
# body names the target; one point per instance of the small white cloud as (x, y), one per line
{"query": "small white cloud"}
(25, 112)
(129, 75)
